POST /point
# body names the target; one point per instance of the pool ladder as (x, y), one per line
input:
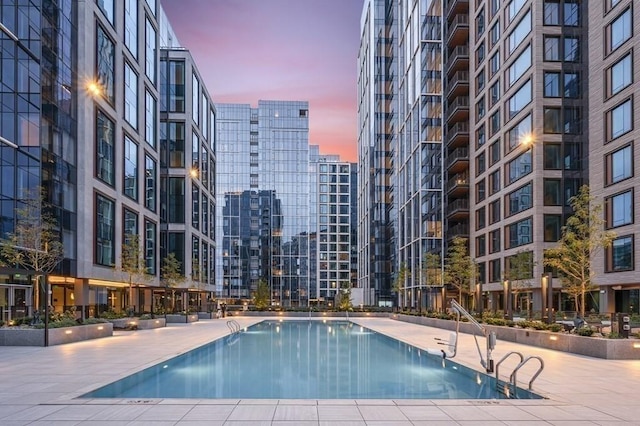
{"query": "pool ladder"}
(234, 327)
(510, 389)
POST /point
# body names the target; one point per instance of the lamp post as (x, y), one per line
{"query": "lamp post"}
(508, 314)
(547, 298)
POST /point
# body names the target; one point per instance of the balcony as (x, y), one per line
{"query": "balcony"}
(458, 209)
(458, 84)
(458, 185)
(458, 135)
(458, 30)
(458, 160)
(458, 110)
(460, 230)
(458, 59)
(455, 7)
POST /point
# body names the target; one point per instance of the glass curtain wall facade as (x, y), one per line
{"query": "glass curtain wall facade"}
(418, 154)
(264, 151)
(377, 127)
(187, 176)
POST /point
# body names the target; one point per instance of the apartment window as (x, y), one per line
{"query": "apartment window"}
(519, 200)
(150, 246)
(480, 109)
(552, 192)
(619, 209)
(150, 119)
(494, 93)
(480, 24)
(571, 49)
(105, 231)
(494, 241)
(195, 151)
(150, 183)
(130, 168)
(494, 182)
(176, 142)
(571, 85)
(494, 212)
(480, 190)
(205, 117)
(494, 152)
(105, 64)
(195, 99)
(518, 167)
(205, 214)
(176, 199)
(551, 12)
(571, 13)
(520, 65)
(520, 99)
(552, 227)
(129, 223)
(494, 64)
(571, 188)
(480, 137)
(481, 218)
(131, 26)
(610, 4)
(494, 33)
(552, 48)
(105, 151)
(552, 120)
(494, 6)
(481, 273)
(195, 206)
(552, 156)
(480, 54)
(620, 75)
(481, 245)
(620, 30)
(106, 6)
(176, 88)
(620, 256)
(572, 156)
(519, 233)
(520, 133)
(150, 55)
(619, 165)
(495, 275)
(480, 81)
(130, 96)
(513, 8)
(152, 6)
(481, 163)
(551, 84)
(520, 32)
(620, 119)
(494, 123)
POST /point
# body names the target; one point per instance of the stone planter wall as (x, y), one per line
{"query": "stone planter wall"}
(57, 336)
(179, 318)
(206, 315)
(596, 347)
(306, 314)
(146, 324)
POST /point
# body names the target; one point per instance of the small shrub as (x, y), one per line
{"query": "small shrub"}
(584, 331)
(94, 321)
(1, 323)
(555, 327)
(146, 317)
(614, 335)
(110, 314)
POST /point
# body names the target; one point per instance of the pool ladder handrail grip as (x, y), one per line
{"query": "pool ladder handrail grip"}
(490, 336)
(233, 325)
(513, 377)
(503, 359)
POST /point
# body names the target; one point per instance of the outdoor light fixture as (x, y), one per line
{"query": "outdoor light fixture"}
(553, 337)
(636, 345)
(68, 332)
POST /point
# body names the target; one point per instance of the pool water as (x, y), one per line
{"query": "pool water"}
(306, 360)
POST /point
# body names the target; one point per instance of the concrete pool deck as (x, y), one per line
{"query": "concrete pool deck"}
(41, 386)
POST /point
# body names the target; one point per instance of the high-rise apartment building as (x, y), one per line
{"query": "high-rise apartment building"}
(81, 88)
(537, 100)
(263, 181)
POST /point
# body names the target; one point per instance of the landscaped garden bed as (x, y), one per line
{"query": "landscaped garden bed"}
(28, 335)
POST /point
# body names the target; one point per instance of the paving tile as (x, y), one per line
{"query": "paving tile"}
(414, 413)
(342, 423)
(119, 412)
(381, 413)
(33, 413)
(338, 412)
(252, 413)
(164, 412)
(296, 412)
(209, 412)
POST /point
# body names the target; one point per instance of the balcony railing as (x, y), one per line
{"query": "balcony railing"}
(458, 206)
(461, 179)
(456, 155)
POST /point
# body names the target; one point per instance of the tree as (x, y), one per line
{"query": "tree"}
(398, 283)
(582, 239)
(172, 276)
(519, 272)
(459, 268)
(345, 303)
(132, 265)
(261, 296)
(431, 271)
(35, 242)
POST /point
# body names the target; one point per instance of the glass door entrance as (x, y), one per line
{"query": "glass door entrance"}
(15, 301)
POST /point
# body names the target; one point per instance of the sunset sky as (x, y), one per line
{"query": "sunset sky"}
(306, 50)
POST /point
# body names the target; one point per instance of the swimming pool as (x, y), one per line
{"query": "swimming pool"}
(306, 360)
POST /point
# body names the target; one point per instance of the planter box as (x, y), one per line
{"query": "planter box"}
(301, 314)
(590, 346)
(57, 336)
(206, 315)
(179, 318)
(146, 324)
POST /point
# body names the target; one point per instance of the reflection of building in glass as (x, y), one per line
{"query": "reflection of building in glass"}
(252, 229)
(264, 150)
